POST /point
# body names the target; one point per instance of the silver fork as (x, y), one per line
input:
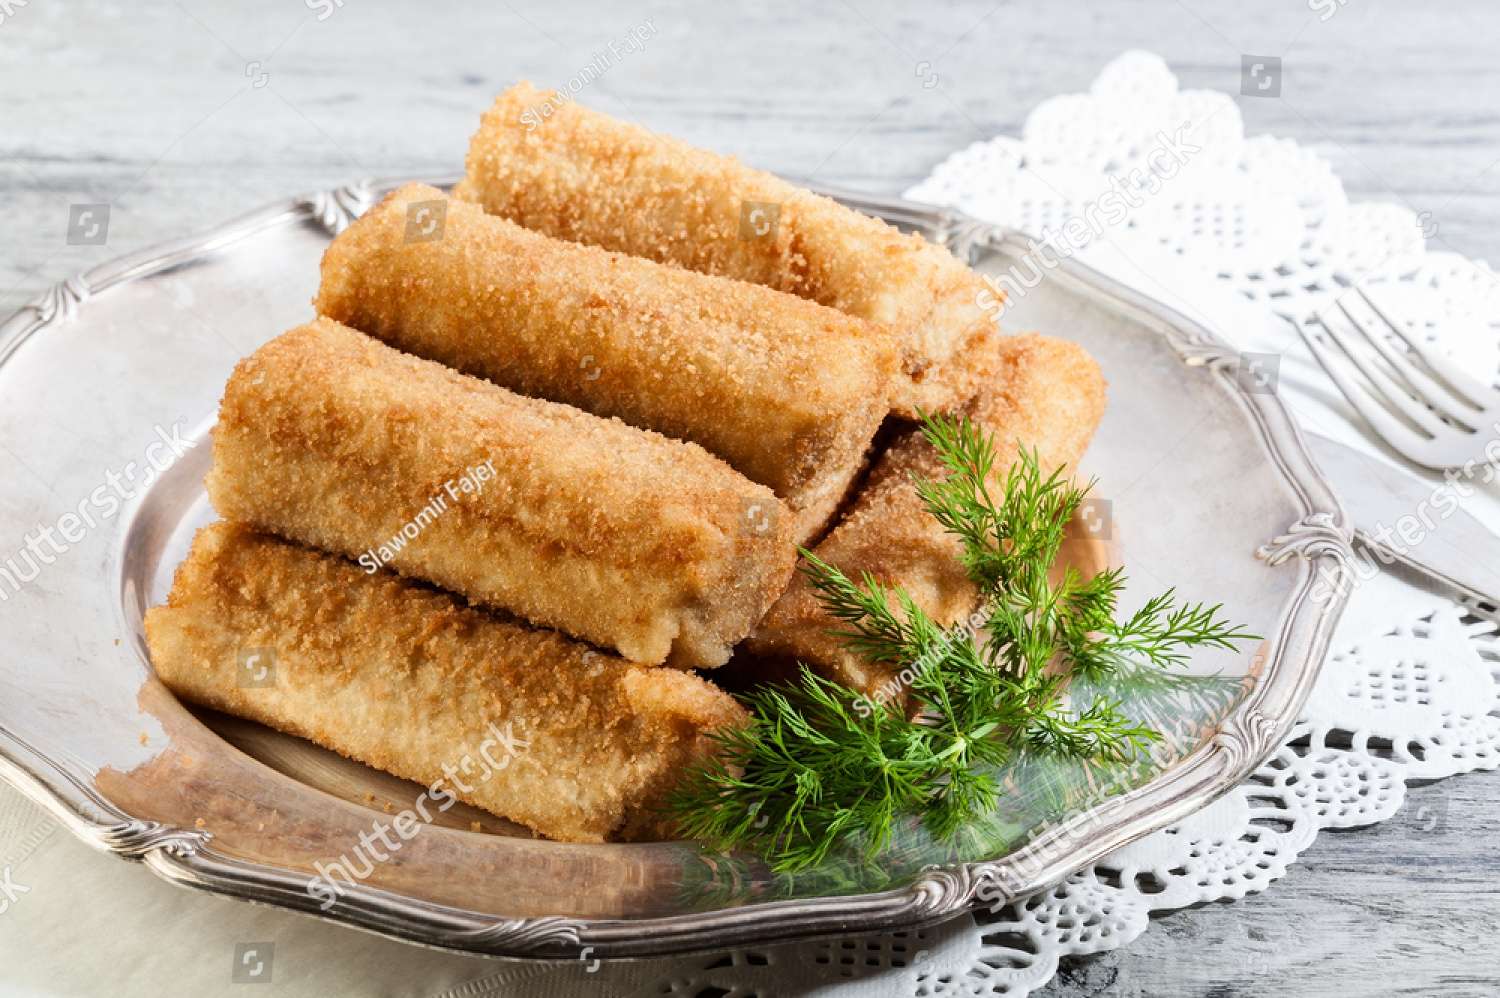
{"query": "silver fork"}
(1439, 418)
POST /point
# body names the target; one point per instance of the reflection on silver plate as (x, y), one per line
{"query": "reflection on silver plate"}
(1209, 486)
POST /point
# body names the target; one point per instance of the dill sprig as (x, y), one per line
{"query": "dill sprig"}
(822, 766)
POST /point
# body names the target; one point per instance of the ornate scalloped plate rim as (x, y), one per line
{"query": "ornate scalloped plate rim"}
(1320, 537)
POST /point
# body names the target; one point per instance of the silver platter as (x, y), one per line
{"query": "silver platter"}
(1210, 488)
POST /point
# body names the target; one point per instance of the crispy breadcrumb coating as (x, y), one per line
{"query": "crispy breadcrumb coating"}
(788, 392)
(1047, 394)
(410, 680)
(582, 175)
(611, 534)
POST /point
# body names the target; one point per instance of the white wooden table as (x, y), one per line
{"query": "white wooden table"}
(182, 114)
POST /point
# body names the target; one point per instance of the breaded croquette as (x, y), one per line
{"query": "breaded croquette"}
(788, 392)
(608, 533)
(1048, 395)
(582, 175)
(581, 744)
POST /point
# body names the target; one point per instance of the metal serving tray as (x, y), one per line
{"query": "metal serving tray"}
(1210, 489)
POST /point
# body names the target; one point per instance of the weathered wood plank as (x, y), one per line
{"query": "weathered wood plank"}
(1397, 910)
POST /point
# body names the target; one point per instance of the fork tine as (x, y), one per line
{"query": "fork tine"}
(1390, 429)
(1425, 389)
(1397, 397)
(1479, 395)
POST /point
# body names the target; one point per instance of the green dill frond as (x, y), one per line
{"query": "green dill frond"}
(824, 776)
(1161, 631)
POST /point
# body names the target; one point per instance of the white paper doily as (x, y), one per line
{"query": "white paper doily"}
(1233, 231)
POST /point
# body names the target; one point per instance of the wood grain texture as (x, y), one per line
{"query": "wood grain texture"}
(1397, 910)
(156, 111)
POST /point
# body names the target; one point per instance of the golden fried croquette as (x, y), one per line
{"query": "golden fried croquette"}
(788, 392)
(1047, 395)
(582, 175)
(577, 744)
(608, 533)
